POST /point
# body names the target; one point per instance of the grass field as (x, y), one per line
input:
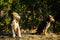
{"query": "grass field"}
(31, 37)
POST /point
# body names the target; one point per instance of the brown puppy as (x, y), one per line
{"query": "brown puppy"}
(44, 25)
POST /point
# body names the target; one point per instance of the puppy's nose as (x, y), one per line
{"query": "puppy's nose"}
(18, 17)
(53, 20)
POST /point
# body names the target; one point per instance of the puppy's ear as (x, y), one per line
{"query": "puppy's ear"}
(50, 16)
(15, 14)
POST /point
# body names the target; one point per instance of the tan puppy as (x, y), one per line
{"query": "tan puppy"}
(15, 25)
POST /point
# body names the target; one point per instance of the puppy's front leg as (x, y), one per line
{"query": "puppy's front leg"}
(13, 33)
(19, 33)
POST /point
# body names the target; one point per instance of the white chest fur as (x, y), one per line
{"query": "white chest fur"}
(15, 24)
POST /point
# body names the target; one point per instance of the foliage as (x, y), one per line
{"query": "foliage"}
(31, 12)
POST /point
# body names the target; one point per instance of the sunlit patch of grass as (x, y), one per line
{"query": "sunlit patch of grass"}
(32, 37)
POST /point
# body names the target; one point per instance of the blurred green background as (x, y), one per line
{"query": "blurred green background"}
(31, 12)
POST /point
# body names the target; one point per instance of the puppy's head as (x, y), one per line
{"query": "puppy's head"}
(51, 18)
(15, 15)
